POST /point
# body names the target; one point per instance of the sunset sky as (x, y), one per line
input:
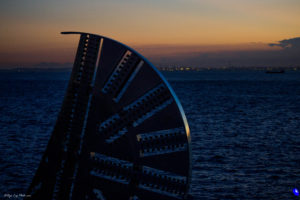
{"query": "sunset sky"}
(159, 29)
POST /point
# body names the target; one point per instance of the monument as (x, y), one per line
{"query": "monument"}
(121, 132)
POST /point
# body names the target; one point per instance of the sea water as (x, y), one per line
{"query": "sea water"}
(245, 128)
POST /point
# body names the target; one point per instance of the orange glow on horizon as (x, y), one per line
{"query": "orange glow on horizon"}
(31, 32)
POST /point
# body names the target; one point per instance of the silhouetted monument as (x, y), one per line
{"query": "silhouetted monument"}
(121, 132)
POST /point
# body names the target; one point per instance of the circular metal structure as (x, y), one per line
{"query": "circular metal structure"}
(121, 132)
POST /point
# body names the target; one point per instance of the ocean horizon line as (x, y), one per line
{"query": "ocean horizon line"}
(168, 68)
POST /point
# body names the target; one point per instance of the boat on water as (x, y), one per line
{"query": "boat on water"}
(275, 71)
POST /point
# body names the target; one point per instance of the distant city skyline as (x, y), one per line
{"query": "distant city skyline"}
(177, 32)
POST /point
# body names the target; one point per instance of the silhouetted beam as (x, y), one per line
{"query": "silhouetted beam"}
(121, 128)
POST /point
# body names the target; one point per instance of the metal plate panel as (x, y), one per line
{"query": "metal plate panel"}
(121, 132)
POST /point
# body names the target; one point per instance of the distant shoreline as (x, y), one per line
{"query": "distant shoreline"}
(168, 69)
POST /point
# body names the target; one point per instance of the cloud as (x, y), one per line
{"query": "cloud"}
(284, 53)
(293, 43)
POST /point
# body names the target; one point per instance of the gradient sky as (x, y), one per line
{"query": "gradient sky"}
(29, 29)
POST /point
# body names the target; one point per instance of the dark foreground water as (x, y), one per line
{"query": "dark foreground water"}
(245, 128)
